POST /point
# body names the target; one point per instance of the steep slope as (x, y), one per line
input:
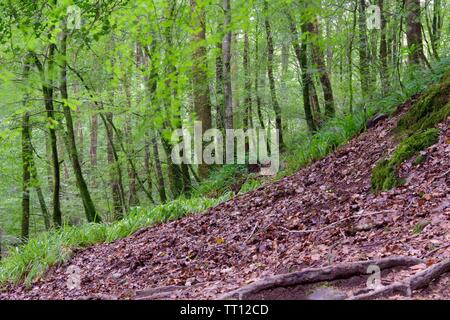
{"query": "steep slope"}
(322, 215)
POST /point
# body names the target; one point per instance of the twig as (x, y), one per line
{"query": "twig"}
(441, 175)
(435, 250)
(330, 226)
(252, 233)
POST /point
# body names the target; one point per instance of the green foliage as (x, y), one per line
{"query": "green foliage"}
(419, 160)
(305, 149)
(30, 261)
(417, 125)
(432, 108)
(221, 180)
(418, 228)
(384, 175)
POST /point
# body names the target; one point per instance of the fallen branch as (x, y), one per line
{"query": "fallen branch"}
(332, 225)
(441, 175)
(436, 250)
(252, 233)
(418, 281)
(313, 275)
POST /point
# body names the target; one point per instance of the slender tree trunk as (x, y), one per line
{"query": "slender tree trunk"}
(350, 60)
(301, 55)
(318, 57)
(80, 134)
(94, 141)
(147, 163)
(118, 195)
(174, 173)
(47, 92)
(48, 166)
(159, 172)
(270, 58)
(226, 49)
(88, 204)
(220, 112)
(129, 160)
(257, 94)
(202, 105)
(40, 194)
(248, 86)
(133, 199)
(314, 99)
(28, 161)
(436, 28)
(27, 154)
(364, 68)
(384, 77)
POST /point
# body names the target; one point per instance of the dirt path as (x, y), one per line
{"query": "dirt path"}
(273, 230)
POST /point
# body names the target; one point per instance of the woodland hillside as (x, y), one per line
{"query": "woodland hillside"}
(349, 99)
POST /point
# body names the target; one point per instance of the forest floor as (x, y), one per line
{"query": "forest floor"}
(323, 215)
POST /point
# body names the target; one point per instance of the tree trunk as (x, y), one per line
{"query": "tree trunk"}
(318, 57)
(220, 112)
(80, 134)
(226, 49)
(159, 173)
(118, 195)
(436, 28)
(47, 92)
(301, 55)
(202, 105)
(133, 199)
(27, 154)
(364, 68)
(40, 194)
(350, 60)
(94, 141)
(270, 58)
(313, 98)
(257, 94)
(173, 170)
(88, 204)
(414, 32)
(384, 78)
(248, 87)
(147, 162)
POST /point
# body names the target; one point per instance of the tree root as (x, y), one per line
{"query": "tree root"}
(312, 275)
(415, 282)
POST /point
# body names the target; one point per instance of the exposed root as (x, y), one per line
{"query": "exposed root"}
(418, 281)
(313, 275)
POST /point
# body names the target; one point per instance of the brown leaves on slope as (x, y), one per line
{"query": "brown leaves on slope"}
(255, 235)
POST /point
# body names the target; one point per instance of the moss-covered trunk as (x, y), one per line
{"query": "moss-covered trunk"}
(88, 204)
